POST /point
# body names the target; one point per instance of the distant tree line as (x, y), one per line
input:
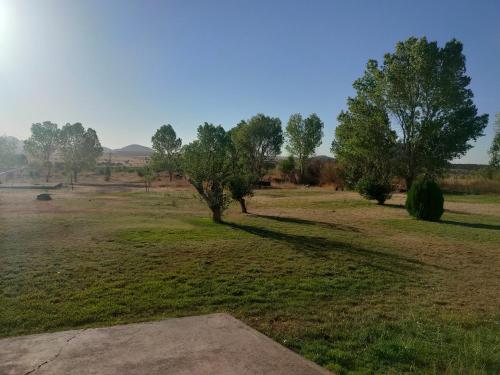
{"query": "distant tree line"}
(228, 165)
(410, 116)
(77, 147)
(10, 155)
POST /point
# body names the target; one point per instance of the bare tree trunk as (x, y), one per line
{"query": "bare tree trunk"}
(48, 173)
(216, 215)
(171, 175)
(75, 173)
(243, 205)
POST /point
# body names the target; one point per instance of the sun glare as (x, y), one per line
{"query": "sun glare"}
(5, 21)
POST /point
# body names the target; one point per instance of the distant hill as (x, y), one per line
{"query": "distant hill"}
(130, 150)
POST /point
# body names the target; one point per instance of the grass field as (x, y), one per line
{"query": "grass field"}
(355, 287)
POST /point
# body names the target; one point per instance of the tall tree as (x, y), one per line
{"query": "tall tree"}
(495, 146)
(42, 144)
(424, 89)
(8, 152)
(242, 180)
(303, 137)
(260, 140)
(364, 143)
(166, 148)
(206, 162)
(80, 148)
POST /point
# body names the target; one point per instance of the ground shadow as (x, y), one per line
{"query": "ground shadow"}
(393, 205)
(316, 246)
(471, 225)
(294, 220)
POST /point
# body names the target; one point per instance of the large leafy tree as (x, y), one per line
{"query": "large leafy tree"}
(8, 152)
(80, 148)
(43, 143)
(166, 148)
(423, 88)
(242, 180)
(260, 140)
(303, 137)
(364, 144)
(207, 164)
(495, 146)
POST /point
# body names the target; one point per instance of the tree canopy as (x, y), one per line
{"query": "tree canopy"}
(303, 137)
(206, 162)
(260, 140)
(80, 148)
(9, 156)
(166, 148)
(423, 89)
(364, 143)
(242, 180)
(42, 144)
(495, 146)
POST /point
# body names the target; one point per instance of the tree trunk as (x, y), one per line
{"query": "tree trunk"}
(171, 175)
(48, 173)
(216, 214)
(75, 173)
(243, 205)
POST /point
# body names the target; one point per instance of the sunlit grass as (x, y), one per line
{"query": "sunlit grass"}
(338, 290)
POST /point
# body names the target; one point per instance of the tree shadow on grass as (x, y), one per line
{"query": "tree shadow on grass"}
(295, 220)
(315, 246)
(393, 205)
(471, 225)
(402, 206)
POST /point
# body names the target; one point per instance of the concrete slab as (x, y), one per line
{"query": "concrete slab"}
(209, 344)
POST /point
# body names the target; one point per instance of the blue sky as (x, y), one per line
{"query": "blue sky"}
(126, 67)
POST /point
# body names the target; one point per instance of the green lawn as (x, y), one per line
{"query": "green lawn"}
(353, 286)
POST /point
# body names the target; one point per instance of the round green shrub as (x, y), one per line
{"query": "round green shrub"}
(374, 189)
(425, 200)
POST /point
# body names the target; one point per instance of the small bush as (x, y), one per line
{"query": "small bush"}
(373, 189)
(425, 200)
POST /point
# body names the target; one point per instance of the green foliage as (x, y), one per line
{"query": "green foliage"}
(44, 140)
(287, 167)
(424, 88)
(242, 180)
(425, 200)
(495, 146)
(79, 147)
(303, 137)
(107, 173)
(241, 186)
(9, 156)
(259, 141)
(147, 173)
(166, 148)
(364, 142)
(374, 189)
(207, 163)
